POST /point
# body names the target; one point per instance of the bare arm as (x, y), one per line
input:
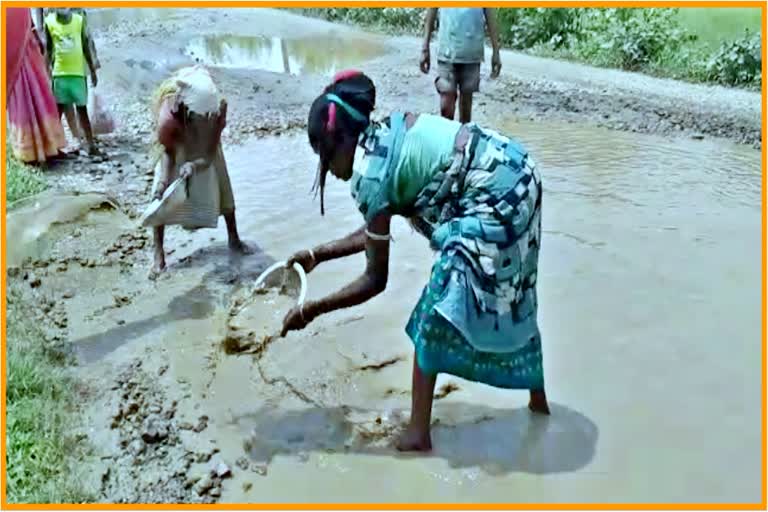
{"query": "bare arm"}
(372, 282)
(49, 48)
(493, 27)
(86, 42)
(429, 25)
(493, 32)
(166, 164)
(353, 243)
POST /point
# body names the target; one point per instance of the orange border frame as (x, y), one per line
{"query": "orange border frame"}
(762, 505)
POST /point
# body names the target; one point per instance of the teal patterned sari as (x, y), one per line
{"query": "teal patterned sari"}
(481, 209)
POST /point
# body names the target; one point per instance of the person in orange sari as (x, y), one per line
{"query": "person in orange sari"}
(36, 134)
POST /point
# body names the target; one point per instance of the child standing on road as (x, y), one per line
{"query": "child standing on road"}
(461, 49)
(69, 50)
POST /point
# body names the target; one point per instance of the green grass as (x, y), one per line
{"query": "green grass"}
(713, 26)
(39, 402)
(21, 180)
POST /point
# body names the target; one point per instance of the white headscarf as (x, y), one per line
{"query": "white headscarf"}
(198, 91)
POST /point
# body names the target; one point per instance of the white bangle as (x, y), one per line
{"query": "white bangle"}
(377, 237)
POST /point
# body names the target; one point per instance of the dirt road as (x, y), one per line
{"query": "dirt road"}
(654, 225)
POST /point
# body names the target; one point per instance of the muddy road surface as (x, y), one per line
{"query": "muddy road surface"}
(649, 289)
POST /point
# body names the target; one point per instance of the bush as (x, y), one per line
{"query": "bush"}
(737, 62)
(628, 38)
(402, 19)
(525, 28)
(641, 39)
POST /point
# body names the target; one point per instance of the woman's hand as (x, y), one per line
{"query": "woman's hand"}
(495, 64)
(160, 190)
(186, 169)
(424, 62)
(306, 259)
(297, 319)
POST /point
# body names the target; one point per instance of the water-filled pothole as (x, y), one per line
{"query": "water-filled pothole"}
(320, 54)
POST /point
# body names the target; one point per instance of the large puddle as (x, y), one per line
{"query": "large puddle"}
(319, 54)
(650, 312)
(650, 302)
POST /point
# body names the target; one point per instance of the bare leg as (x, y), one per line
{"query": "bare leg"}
(69, 113)
(85, 123)
(159, 265)
(417, 437)
(538, 402)
(448, 104)
(235, 244)
(465, 107)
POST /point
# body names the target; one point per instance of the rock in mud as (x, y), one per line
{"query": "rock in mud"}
(203, 457)
(247, 486)
(154, 431)
(259, 469)
(204, 485)
(133, 408)
(221, 470)
(202, 424)
(242, 463)
(191, 480)
(215, 492)
(137, 447)
(34, 281)
(185, 425)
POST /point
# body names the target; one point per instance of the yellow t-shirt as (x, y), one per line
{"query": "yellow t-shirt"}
(68, 53)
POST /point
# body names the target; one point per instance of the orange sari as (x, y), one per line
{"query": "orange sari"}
(35, 125)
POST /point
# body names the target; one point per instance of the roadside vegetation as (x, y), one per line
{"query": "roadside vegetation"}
(21, 180)
(712, 45)
(39, 393)
(40, 400)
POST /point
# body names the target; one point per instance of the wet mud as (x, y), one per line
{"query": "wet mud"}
(649, 283)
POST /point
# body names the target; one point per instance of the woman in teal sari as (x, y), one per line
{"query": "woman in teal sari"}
(476, 195)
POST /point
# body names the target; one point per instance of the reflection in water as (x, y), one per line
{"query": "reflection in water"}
(321, 55)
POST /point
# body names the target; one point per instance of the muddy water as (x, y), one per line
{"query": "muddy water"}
(650, 314)
(649, 298)
(32, 223)
(322, 55)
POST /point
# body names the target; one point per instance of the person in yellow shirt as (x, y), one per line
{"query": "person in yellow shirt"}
(69, 50)
(38, 15)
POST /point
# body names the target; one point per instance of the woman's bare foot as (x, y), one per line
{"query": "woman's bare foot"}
(413, 440)
(538, 403)
(158, 267)
(239, 246)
